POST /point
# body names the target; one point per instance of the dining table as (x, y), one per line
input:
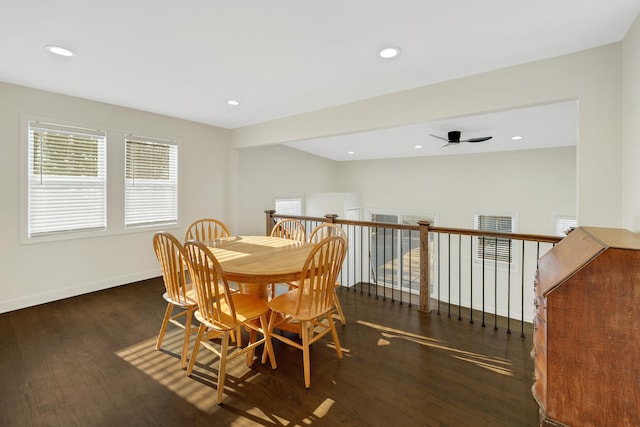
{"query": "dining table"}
(255, 262)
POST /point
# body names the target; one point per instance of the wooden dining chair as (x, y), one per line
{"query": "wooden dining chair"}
(206, 229)
(289, 228)
(220, 312)
(179, 294)
(304, 308)
(326, 229)
(319, 233)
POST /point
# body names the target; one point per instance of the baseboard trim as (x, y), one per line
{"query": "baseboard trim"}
(58, 294)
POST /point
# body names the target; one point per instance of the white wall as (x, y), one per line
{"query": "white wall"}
(593, 77)
(631, 128)
(534, 185)
(267, 172)
(321, 204)
(41, 272)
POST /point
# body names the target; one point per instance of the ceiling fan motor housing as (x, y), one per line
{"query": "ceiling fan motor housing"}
(454, 136)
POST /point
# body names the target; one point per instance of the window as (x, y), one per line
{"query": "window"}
(289, 206)
(67, 179)
(492, 248)
(565, 223)
(151, 182)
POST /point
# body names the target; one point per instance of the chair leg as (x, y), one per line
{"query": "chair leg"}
(306, 357)
(196, 347)
(269, 329)
(268, 345)
(223, 365)
(334, 333)
(253, 335)
(336, 302)
(163, 328)
(237, 336)
(187, 334)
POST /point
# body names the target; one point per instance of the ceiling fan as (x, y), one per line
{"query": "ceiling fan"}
(453, 138)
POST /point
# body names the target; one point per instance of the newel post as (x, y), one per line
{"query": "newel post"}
(425, 303)
(269, 213)
(331, 217)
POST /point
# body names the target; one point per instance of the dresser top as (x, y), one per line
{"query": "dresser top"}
(578, 249)
(614, 237)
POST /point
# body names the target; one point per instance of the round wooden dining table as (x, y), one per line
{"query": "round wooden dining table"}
(257, 261)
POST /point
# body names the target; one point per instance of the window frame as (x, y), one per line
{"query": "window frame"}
(26, 178)
(299, 199)
(559, 220)
(115, 172)
(153, 141)
(490, 258)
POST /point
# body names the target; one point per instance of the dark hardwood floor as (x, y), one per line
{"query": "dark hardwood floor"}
(90, 361)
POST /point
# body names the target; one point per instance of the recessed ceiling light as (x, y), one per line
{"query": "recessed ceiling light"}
(351, 152)
(390, 52)
(418, 146)
(58, 50)
(233, 102)
(517, 137)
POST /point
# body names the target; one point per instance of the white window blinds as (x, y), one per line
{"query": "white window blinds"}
(289, 206)
(564, 224)
(491, 248)
(67, 179)
(151, 182)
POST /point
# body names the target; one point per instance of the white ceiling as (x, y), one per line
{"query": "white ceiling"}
(186, 58)
(544, 126)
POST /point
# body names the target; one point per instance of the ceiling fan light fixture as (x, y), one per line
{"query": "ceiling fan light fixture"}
(390, 52)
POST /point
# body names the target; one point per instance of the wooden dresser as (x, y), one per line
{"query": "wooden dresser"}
(587, 330)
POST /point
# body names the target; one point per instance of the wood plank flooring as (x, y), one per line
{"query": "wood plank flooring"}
(90, 361)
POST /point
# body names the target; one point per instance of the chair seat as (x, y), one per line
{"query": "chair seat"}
(286, 303)
(190, 298)
(247, 307)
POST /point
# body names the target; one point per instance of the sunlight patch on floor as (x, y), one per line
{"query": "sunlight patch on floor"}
(320, 411)
(494, 364)
(164, 367)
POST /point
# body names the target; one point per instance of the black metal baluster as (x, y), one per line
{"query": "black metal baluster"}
(384, 265)
(348, 258)
(401, 268)
(361, 259)
(483, 287)
(376, 265)
(449, 275)
(509, 291)
(393, 263)
(459, 276)
(439, 259)
(410, 296)
(522, 293)
(495, 286)
(471, 279)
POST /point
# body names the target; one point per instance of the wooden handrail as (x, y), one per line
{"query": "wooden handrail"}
(434, 229)
(424, 228)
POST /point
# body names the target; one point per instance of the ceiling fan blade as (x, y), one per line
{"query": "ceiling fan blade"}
(448, 144)
(482, 138)
(439, 137)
